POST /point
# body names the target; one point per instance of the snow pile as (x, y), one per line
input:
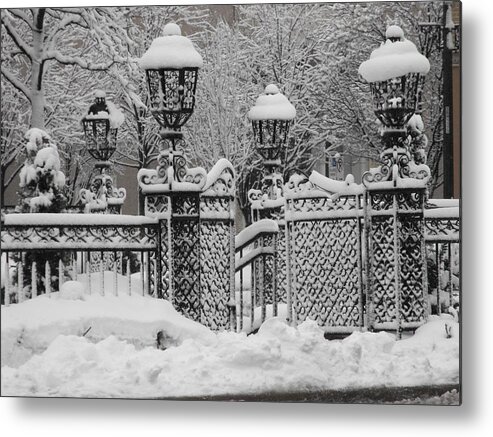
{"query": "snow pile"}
(30, 327)
(416, 123)
(340, 188)
(272, 105)
(257, 228)
(393, 59)
(279, 358)
(172, 50)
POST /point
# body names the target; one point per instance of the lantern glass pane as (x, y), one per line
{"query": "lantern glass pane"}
(172, 95)
(100, 139)
(270, 137)
(396, 100)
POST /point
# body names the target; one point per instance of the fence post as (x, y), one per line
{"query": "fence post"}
(217, 252)
(397, 283)
(196, 237)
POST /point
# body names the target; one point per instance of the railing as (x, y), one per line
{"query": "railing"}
(105, 252)
(256, 274)
(442, 236)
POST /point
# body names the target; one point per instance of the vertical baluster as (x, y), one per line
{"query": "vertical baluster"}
(48, 278)
(20, 282)
(155, 278)
(253, 291)
(241, 294)
(450, 273)
(439, 279)
(129, 277)
(115, 271)
(147, 273)
(88, 272)
(142, 271)
(7, 279)
(34, 280)
(74, 266)
(101, 267)
(61, 268)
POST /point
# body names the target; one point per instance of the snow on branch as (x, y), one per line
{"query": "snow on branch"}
(10, 28)
(19, 13)
(16, 83)
(71, 60)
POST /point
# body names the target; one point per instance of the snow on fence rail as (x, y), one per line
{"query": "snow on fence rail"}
(105, 252)
(256, 274)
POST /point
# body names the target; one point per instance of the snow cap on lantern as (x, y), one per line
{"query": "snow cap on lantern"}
(272, 105)
(103, 109)
(396, 57)
(172, 50)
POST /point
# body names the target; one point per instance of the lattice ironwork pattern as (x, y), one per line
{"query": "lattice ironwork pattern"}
(215, 276)
(325, 256)
(282, 280)
(186, 267)
(326, 261)
(383, 272)
(397, 283)
(412, 269)
(217, 251)
(185, 254)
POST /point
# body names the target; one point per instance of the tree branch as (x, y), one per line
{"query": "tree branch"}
(19, 42)
(19, 13)
(16, 83)
(70, 60)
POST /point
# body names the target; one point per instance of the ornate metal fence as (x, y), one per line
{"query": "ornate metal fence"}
(442, 237)
(256, 269)
(41, 251)
(324, 240)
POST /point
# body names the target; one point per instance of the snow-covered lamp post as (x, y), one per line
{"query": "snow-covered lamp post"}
(395, 72)
(396, 190)
(193, 213)
(171, 65)
(271, 118)
(101, 125)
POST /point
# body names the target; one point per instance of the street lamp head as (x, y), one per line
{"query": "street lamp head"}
(271, 118)
(395, 72)
(101, 125)
(171, 64)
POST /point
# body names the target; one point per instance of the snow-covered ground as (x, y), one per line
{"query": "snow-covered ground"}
(73, 344)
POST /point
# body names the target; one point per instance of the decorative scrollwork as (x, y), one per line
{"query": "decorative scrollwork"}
(442, 229)
(102, 196)
(79, 237)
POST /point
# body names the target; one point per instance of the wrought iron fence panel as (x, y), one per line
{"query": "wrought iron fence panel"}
(42, 251)
(325, 280)
(397, 279)
(442, 236)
